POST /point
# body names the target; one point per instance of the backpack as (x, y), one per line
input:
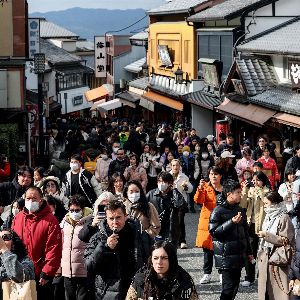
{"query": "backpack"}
(90, 165)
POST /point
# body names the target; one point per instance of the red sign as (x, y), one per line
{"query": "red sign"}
(33, 118)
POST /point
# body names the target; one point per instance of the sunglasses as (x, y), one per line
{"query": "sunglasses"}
(75, 210)
(7, 237)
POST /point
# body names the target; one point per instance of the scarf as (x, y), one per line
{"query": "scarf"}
(271, 221)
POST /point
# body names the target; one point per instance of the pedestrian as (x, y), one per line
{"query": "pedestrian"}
(38, 174)
(81, 182)
(262, 143)
(230, 146)
(162, 278)
(277, 231)
(102, 166)
(39, 230)
(286, 189)
(116, 185)
(113, 254)
(226, 163)
(119, 164)
(72, 264)
(167, 165)
(229, 230)
(16, 207)
(246, 163)
(206, 195)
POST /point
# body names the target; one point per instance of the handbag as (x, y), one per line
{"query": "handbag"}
(296, 288)
(282, 255)
(19, 291)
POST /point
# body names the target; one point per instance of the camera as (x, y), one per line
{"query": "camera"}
(250, 183)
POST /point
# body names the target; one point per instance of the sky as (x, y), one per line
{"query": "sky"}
(54, 5)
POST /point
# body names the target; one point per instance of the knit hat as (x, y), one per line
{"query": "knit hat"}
(186, 148)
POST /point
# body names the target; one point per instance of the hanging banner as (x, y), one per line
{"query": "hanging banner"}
(100, 56)
(33, 36)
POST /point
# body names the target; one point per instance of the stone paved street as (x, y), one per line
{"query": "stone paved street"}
(192, 260)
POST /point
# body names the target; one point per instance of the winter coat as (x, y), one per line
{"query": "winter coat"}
(87, 231)
(271, 170)
(72, 262)
(138, 174)
(234, 149)
(205, 196)
(295, 266)
(101, 172)
(178, 185)
(113, 268)
(118, 166)
(258, 152)
(181, 287)
(168, 208)
(41, 234)
(266, 280)
(10, 191)
(230, 173)
(154, 168)
(230, 240)
(88, 183)
(191, 168)
(243, 164)
(254, 196)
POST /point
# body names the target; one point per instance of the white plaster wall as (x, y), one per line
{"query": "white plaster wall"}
(71, 94)
(202, 120)
(31, 78)
(278, 66)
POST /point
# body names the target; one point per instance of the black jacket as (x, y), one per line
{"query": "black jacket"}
(235, 149)
(295, 266)
(118, 166)
(258, 152)
(113, 269)
(230, 240)
(168, 209)
(180, 288)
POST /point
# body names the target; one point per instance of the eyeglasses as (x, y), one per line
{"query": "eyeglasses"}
(7, 237)
(75, 210)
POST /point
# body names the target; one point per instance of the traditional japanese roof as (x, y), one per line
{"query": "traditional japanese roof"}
(55, 55)
(228, 10)
(143, 36)
(282, 39)
(136, 66)
(176, 7)
(140, 83)
(89, 61)
(84, 46)
(50, 30)
(129, 96)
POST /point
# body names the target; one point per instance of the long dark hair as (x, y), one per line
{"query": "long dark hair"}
(261, 176)
(18, 246)
(143, 204)
(150, 288)
(112, 180)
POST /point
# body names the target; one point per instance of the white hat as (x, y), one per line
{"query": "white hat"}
(210, 138)
(226, 154)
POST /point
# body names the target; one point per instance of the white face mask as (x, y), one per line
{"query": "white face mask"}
(186, 153)
(14, 211)
(32, 206)
(134, 197)
(162, 186)
(74, 166)
(104, 157)
(76, 215)
(115, 149)
(204, 155)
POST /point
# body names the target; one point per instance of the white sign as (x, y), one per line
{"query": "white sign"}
(100, 56)
(33, 36)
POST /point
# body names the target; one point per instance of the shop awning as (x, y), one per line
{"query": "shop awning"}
(98, 93)
(135, 67)
(148, 104)
(113, 104)
(163, 100)
(287, 119)
(95, 104)
(129, 96)
(249, 113)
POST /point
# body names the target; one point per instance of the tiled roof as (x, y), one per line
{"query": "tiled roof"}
(283, 39)
(90, 61)
(227, 10)
(175, 7)
(203, 99)
(280, 99)
(129, 96)
(84, 46)
(143, 36)
(140, 83)
(51, 30)
(136, 66)
(56, 55)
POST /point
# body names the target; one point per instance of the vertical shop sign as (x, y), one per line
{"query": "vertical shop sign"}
(33, 36)
(100, 57)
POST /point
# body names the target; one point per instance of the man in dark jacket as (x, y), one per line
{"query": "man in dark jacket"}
(262, 143)
(113, 254)
(229, 230)
(231, 146)
(119, 164)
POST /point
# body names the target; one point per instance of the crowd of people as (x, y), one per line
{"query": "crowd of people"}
(105, 219)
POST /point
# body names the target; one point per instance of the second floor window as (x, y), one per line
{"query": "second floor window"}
(70, 81)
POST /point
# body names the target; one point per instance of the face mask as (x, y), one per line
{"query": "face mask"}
(134, 197)
(32, 206)
(74, 166)
(186, 153)
(204, 155)
(104, 157)
(162, 186)
(115, 149)
(14, 211)
(76, 215)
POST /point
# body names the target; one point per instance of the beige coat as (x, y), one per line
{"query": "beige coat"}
(266, 280)
(253, 197)
(151, 225)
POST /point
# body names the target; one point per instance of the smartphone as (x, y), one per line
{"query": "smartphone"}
(250, 183)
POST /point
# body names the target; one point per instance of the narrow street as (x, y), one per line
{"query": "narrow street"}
(192, 260)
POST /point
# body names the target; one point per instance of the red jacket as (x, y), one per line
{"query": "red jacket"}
(41, 235)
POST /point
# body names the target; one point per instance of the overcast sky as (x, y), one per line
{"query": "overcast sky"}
(53, 5)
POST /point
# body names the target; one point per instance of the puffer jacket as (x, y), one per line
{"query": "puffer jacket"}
(230, 240)
(113, 268)
(181, 287)
(41, 234)
(72, 263)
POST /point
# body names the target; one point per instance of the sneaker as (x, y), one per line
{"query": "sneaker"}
(205, 279)
(183, 246)
(221, 280)
(246, 283)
